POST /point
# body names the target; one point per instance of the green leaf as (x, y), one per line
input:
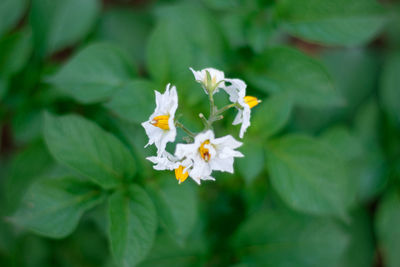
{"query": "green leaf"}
(283, 69)
(176, 206)
(364, 161)
(85, 147)
(3, 87)
(134, 101)
(355, 73)
(53, 207)
(15, 50)
(59, 24)
(132, 225)
(360, 252)
(271, 115)
(166, 252)
(252, 164)
(280, 238)
(386, 224)
(309, 175)
(25, 168)
(334, 22)
(10, 13)
(94, 74)
(185, 36)
(390, 92)
(128, 28)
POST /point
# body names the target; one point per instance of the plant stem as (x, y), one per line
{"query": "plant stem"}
(190, 133)
(222, 110)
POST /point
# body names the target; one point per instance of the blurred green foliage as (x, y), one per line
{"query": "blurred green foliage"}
(318, 186)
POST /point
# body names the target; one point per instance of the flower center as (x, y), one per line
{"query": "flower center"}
(180, 175)
(251, 101)
(205, 152)
(161, 122)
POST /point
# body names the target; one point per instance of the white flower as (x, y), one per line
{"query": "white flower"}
(217, 79)
(237, 94)
(209, 153)
(166, 161)
(160, 128)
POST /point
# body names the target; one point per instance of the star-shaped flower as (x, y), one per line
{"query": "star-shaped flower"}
(160, 128)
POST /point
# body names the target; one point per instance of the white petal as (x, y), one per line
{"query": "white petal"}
(223, 165)
(239, 117)
(245, 121)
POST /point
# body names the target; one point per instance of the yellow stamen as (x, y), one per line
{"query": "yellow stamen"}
(161, 122)
(251, 101)
(204, 152)
(180, 175)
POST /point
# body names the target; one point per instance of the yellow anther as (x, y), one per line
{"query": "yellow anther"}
(161, 122)
(251, 101)
(180, 175)
(204, 152)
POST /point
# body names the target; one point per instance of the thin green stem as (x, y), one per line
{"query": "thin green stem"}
(190, 133)
(222, 110)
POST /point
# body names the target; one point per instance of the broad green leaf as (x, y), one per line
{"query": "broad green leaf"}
(25, 168)
(364, 161)
(10, 12)
(94, 74)
(361, 249)
(58, 24)
(271, 115)
(334, 22)
(355, 72)
(3, 87)
(176, 206)
(132, 225)
(165, 252)
(386, 224)
(85, 147)
(390, 90)
(280, 238)
(128, 28)
(283, 69)
(309, 175)
(134, 101)
(15, 50)
(185, 36)
(252, 164)
(53, 207)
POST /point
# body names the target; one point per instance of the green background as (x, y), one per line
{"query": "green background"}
(320, 181)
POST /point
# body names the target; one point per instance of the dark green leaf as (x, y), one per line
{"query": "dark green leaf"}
(128, 28)
(94, 74)
(279, 238)
(132, 225)
(15, 50)
(360, 252)
(252, 164)
(59, 24)
(271, 115)
(53, 207)
(166, 252)
(309, 175)
(85, 147)
(26, 166)
(335, 22)
(185, 36)
(10, 12)
(176, 206)
(387, 222)
(283, 69)
(134, 101)
(390, 92)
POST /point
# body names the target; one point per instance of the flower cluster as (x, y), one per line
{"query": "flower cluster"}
(204, 153)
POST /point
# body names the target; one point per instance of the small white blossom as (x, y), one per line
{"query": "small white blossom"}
(237, 94)
(209, 153)
(217, 79)
(167, 161)
(160, 128)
